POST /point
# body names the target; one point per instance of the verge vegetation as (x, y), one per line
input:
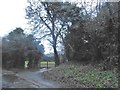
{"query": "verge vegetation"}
(83, 76)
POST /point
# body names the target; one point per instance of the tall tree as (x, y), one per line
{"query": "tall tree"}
(14, 45)
(52, 19)
(17, 47)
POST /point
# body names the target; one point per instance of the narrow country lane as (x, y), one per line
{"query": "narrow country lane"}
(26, 79)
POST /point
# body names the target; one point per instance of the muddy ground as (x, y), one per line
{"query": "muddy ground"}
(26, 79)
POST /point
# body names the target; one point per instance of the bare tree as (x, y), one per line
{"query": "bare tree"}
(43, 16)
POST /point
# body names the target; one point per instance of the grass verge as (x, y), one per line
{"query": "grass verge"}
(83, 76)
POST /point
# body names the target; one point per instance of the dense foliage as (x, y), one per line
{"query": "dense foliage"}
(88, 33)
(95, 40)
(18, 47)
(75, 75)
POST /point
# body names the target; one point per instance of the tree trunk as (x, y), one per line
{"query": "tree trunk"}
(56, 57)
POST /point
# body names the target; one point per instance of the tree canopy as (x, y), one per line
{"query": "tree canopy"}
(88, 34)
(17, 47)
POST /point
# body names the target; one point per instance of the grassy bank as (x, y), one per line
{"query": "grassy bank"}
(87, 76)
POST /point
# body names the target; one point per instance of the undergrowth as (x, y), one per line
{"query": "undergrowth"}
(86, 75)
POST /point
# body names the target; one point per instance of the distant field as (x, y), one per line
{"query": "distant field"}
(44, 64)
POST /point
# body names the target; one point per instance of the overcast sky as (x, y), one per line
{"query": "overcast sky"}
(12, 15)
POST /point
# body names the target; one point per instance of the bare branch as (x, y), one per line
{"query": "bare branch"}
(44, 36)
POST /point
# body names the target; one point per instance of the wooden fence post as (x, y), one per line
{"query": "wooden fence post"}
(47, 64)
(40, 65)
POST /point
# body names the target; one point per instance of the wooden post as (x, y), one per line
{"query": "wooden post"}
(40, 65)
(47, 64)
